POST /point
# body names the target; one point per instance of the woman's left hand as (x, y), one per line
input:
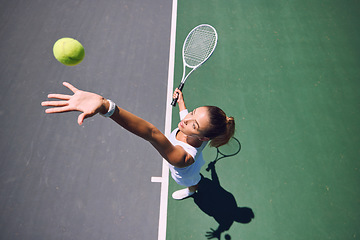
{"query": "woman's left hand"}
(86, 102)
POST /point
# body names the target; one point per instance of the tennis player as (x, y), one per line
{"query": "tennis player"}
(182, 149)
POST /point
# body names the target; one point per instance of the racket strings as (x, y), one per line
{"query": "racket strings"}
(199, 46)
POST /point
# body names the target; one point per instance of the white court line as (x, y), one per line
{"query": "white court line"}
(164, 179)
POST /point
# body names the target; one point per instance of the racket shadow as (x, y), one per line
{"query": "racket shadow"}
(229, 150)
(220, 204)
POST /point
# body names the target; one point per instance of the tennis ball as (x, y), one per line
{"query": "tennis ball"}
(68, 51)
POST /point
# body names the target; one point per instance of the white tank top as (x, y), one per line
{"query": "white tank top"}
(190, 175)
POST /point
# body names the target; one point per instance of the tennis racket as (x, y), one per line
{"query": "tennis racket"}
(230, 149)
(198, 46)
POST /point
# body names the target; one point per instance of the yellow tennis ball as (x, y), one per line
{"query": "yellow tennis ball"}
(68, 51)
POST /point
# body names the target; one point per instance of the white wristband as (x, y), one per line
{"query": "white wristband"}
(183, 114)
(111, 109)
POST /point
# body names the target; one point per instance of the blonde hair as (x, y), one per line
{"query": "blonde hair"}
(222, 127)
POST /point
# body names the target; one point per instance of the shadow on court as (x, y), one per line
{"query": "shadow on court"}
(220, 204)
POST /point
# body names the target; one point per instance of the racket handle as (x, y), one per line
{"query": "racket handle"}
(211, 165)
(174, 101)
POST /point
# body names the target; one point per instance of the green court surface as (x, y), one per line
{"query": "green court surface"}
(288, 71)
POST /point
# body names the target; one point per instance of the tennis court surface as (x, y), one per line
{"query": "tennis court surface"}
(59, 180)
(287, 71)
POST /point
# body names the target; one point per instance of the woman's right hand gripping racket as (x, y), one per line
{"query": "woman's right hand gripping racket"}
(198, 46)
(230, 149)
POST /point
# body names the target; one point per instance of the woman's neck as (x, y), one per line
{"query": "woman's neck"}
(192, 141)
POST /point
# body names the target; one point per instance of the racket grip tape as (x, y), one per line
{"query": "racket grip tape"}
(174, 101)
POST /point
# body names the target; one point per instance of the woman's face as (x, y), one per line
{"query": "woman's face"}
(195, 123)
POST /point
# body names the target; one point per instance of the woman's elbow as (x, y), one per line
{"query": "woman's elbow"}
(153, 134)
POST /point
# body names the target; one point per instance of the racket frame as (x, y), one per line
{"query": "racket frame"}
(193, 68)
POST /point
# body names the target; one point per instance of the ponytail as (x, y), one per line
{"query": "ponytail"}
(222, 127)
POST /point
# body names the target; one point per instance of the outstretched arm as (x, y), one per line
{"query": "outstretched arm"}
(90, 104)
(175, 155)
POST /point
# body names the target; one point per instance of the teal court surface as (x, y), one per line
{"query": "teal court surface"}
(287, 71)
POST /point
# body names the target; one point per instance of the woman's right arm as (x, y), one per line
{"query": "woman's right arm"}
(90, 104)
